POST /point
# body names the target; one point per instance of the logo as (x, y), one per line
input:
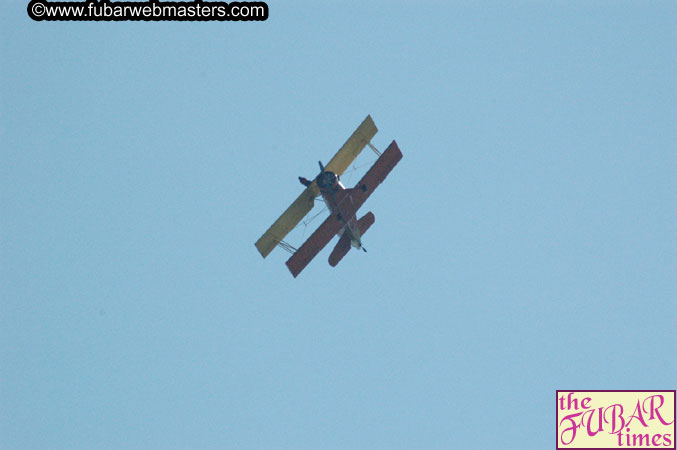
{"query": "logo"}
(608, 420)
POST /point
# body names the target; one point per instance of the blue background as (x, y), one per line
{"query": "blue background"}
(525, 243)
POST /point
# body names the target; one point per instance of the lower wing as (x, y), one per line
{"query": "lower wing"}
(313, 245)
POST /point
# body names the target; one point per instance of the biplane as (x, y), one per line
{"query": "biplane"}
(342, 203)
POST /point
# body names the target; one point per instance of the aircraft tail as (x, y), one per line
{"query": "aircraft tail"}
(343, 245)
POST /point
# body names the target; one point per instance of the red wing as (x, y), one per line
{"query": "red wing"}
(375, 175)
(313, 245)
(357, 196)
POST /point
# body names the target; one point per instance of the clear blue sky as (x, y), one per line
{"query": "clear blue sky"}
(527, 242)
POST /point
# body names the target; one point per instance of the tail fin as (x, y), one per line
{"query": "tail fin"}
(343, 245)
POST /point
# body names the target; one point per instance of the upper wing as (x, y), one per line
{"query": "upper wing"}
(353, 146)
(374, 176)
(288, 220)
(316, 242)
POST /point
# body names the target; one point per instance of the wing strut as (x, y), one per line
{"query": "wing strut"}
(287, 246)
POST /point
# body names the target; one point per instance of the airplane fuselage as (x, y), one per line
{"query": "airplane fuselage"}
(339, 204)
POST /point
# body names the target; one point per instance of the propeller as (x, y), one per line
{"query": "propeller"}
(325, 179)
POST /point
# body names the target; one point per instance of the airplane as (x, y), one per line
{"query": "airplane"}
(343, 203)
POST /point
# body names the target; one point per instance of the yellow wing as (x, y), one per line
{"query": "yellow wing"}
(353, 146)
(288, 220)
